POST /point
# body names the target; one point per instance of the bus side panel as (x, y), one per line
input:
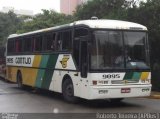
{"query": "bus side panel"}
(29, 76)
(66, 66)
(45, 72)
(11, 73)
(58, 75)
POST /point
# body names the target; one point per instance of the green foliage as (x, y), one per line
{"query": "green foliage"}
(9, 24)
(45, 20)
(103, 9)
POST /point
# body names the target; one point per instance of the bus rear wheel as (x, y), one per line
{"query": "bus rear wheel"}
(68, 91)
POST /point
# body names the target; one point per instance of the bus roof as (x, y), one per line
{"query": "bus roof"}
(111, 24)
(97, 24)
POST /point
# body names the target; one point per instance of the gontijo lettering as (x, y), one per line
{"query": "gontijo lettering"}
(23, 60)
(26, 60)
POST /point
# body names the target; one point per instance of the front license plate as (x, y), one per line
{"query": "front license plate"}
(125, 90)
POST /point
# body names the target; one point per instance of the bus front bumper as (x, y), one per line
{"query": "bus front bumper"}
(124, 91)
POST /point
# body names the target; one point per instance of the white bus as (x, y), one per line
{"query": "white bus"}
(90, 59)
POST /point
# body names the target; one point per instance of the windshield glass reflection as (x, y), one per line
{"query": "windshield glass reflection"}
(118, 50)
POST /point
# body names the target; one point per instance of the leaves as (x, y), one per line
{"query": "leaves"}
(45, 20)
(102, 9)
(8, 25)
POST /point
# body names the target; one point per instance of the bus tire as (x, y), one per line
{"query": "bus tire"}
(68, 91)
(20, 80)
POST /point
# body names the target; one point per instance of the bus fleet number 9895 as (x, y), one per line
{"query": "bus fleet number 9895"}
(111, 76)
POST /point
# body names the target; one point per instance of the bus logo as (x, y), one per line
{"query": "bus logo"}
(64, 61)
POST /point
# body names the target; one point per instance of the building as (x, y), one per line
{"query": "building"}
(17, 12)
(69, 6)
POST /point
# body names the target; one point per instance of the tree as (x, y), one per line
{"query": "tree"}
(103, 9)
(45, 20)
(9, 24)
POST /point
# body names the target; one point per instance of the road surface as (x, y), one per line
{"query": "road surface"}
(36, 102)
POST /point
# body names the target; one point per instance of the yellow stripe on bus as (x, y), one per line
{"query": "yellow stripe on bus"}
(31, 79)
(37, 60)
(144, 75)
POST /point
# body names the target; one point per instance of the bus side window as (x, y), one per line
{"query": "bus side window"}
(38, 43)
(53, 42)
(27, 45)
(59, 42)
(49, 42)
(18, 45)
(67, 40)
(11, 46)
(64, 41)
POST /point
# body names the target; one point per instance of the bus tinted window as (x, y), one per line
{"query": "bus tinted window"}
(38, 43)
(64, 41)
(106, 48)
(18, 45)
(49, 42)
(59, 42)
(27, 44)
(10, 46)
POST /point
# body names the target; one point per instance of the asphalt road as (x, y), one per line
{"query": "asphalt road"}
(45, 103)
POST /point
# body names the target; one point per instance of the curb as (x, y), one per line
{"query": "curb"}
(154, 96)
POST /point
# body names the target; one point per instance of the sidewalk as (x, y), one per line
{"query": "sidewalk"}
(154, 95)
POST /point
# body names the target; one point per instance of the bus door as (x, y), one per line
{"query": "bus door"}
(83, 57)
(80, 55)
(80, 49)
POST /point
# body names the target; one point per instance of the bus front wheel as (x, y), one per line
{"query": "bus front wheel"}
(68, 91)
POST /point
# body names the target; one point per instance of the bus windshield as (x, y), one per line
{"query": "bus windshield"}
(119, 50)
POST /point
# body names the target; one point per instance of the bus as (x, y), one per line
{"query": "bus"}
(82, 60)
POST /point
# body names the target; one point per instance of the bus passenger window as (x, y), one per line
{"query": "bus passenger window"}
(59, 42)
(11, 47)
(53, 42)
(27, 45)
(49, 42)
(18, 46)
(66, 40)
(38, 43)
